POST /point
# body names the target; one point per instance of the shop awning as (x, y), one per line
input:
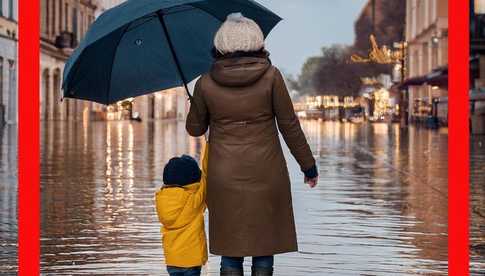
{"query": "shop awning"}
(419, 80)
(438, 77)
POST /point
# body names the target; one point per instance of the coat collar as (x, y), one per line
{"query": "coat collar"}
(185, 187)
(258, 54)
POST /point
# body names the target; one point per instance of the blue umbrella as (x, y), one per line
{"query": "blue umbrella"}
(143, 46)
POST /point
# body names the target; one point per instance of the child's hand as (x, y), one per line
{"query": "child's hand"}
(312, 182)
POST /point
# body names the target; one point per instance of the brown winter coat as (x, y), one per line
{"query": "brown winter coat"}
(248, 193)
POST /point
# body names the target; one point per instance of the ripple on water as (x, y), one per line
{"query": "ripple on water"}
(8, 199)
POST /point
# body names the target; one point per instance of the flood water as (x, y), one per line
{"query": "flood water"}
(8, 199)
(380, 207)
(477, 206)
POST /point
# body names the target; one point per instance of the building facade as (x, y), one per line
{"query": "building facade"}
(63, 25)
(427, 38)
(8, 61)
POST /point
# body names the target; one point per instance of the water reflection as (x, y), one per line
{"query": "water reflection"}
(8, 199)
(477, 206)
(380, 207)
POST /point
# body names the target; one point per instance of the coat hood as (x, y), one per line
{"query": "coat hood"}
(240, 69)
(171, 204)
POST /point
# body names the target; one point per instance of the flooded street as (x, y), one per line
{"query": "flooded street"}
(477, 206)
(8, 199)
(380, 207)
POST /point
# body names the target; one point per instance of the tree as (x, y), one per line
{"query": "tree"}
(290, 81)
(307, 76)
(333, 74)
(388, 26)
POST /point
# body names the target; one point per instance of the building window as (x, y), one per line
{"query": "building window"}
(11, 112)
(1, 81)
(415, 63)
(47, 15)
(53, 21)
(434, 57)
(74, 23)
(60, 16)
(425, 58)
(10, 9)
(66, 17)
(42, 16)
(81, 15)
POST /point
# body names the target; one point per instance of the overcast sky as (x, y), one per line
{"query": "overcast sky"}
(307, 26)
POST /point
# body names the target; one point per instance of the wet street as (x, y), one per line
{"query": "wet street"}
(8, 199)
(477, 207)
(380, 207)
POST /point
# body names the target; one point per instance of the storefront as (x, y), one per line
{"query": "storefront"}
(429, 102)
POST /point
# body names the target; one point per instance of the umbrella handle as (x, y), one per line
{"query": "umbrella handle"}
(188, 93)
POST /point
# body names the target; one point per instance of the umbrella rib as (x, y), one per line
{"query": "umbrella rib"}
(172, 50)
(145, 18)
(113, 61)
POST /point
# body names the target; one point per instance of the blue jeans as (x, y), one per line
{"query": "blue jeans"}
(183, 271)
(237, 262)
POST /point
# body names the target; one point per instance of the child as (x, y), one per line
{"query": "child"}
(180, 207)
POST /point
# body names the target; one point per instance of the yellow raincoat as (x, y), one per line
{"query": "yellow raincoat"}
(181, 212)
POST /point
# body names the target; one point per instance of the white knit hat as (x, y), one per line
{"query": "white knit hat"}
(238, 33)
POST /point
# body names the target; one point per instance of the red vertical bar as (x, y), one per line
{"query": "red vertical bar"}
(28, 139)
(458, 179)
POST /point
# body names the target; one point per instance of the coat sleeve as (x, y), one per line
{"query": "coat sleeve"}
(198, 199)
(198, 118)
(289, 125)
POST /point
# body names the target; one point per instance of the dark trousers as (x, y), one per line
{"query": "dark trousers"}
(237, 262)
(183, 271)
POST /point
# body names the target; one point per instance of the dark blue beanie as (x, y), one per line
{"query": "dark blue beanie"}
(181, 171)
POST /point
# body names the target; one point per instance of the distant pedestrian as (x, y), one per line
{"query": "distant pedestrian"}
(245, 102)
(180, 205)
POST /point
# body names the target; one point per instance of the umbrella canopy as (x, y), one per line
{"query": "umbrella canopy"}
(143, 46)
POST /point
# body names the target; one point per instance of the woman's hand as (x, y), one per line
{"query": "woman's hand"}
(312, 182)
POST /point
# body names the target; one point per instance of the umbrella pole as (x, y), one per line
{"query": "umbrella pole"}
(174, 55)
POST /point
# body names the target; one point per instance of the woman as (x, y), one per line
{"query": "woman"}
(248, 194)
